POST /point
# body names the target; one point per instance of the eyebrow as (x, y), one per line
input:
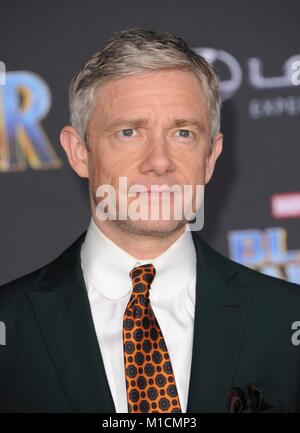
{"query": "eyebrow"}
(143, 122)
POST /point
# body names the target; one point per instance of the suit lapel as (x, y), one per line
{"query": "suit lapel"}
(63, 313)
(222, 305)
(64, 317)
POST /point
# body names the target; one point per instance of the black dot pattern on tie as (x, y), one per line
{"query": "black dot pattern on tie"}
(150, 380)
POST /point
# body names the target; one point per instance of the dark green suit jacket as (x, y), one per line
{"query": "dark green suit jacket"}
(242, 335)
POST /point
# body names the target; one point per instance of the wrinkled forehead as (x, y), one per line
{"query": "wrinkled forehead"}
(167, 94)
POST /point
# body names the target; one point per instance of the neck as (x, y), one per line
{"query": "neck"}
(139, 246)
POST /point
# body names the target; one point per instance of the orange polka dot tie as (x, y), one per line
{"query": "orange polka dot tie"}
(150, 381)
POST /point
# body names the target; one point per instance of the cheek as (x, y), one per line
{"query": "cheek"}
(103, 174)
(99, 168)
(193, 170)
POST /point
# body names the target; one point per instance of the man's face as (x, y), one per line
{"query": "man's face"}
(152, 128)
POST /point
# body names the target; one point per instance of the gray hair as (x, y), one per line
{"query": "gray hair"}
(133, 51)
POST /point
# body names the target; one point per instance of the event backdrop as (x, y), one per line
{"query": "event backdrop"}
(252, 203)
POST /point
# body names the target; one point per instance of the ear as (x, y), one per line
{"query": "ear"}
(213, 156)
(76, 150)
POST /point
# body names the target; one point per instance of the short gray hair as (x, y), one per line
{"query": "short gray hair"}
(133, 51)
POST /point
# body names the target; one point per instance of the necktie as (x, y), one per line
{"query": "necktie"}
(150, 381)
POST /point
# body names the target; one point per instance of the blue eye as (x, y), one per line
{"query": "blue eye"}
(127, 132)
(185, 132)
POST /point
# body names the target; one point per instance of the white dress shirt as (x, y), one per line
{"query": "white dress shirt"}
(106, 269)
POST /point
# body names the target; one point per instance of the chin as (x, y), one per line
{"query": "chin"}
(159, 228)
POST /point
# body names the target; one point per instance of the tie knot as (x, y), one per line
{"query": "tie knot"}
(142, 276)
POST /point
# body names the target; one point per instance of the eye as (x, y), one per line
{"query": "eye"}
(185, 133)
(128, 132)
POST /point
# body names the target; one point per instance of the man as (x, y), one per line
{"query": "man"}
(140, 314)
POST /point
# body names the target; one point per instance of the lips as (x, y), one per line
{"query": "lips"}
(155, 189)
(149, 191)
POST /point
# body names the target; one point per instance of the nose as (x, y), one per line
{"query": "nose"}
(157, 159)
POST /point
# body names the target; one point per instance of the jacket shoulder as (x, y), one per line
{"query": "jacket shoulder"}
(21, 285)
(13, 291)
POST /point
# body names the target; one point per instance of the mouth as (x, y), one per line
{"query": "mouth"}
(156, 189)
(155, 194)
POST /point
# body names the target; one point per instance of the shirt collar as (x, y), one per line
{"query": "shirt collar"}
(106, 266)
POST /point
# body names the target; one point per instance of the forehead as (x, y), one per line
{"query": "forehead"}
(165, 91)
